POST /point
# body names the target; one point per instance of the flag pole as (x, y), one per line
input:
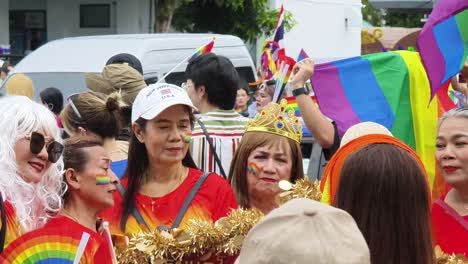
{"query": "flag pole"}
(175, 67)
(183, 61)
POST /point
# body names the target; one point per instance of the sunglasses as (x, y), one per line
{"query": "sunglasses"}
(37, 143)
(73, 106)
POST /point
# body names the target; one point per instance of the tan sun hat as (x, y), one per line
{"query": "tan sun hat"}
(125, 79)
(305, 231)
(95, 82)
(362, 129)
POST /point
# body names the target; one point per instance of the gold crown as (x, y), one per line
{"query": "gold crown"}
(277, 119)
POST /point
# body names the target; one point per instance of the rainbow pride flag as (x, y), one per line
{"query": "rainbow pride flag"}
(203, 49)
(443, 42)
(387, 88)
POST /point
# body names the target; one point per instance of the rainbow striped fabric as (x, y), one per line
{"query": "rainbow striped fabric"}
(204, 49)
(292, 104)
(61, 240)
(389, 89)
(443, 41)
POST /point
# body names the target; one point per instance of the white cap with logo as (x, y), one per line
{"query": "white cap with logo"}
(155, 98)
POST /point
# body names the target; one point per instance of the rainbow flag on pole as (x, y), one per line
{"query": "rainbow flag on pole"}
(203, 49)
(387, 88)
(443, 42)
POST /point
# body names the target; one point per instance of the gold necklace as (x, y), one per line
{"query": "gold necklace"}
(179, 181)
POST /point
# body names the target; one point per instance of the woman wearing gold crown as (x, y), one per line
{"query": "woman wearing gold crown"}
(268, 153)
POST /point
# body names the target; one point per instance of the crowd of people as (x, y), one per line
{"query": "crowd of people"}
(126, 157)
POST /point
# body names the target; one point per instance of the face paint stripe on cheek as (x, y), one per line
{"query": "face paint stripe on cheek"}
(253, 168)
(188, 137)
(102, 180)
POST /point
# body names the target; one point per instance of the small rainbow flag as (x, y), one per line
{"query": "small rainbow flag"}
(103, 179)
(253, 168)
(203, 49)
(292, 104)
(282, 76)
(443, 42)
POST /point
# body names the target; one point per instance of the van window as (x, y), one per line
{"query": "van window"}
(67, 82)
(245, 74)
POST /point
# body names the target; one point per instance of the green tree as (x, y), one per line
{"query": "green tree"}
(371, 14)
(246, 19)
(391, 18)
(164, 12)
(404, 19)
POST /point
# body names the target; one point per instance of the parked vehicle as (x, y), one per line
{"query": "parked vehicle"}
(63, 63)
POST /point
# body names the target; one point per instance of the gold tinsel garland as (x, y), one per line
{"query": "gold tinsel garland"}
(201, 237)
(443, 258)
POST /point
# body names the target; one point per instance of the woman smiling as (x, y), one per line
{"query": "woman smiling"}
(30, 165)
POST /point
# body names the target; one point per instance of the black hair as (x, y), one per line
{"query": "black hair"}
(131, 60)
(53, 98)
(4, 67)
(218, 75)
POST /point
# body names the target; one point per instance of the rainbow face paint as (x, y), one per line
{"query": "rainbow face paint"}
(253, 168)
(102, 180)
(188, 137)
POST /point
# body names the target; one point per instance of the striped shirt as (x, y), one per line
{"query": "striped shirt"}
(225, 128)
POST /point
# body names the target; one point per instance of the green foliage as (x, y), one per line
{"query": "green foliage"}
(405, 18)
(246, 19)
(400, 19)
(371, 14)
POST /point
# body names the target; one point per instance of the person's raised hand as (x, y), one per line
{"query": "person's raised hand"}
(302, 72)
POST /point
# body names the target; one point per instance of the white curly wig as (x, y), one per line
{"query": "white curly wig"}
(34, 203)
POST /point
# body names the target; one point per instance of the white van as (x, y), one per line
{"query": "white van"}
(62, 63)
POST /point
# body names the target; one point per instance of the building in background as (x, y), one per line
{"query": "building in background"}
(325, 29)
(27, 24)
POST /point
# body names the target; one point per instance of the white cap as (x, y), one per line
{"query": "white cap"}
(155, 98)
(304, 231)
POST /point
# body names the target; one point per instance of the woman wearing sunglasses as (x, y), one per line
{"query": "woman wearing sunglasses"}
(90, 184)
(95, 114)
(30, 165)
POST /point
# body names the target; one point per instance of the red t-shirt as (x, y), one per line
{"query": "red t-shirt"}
(62, 235)
(13, 227)
(214, 200)
(450, 230)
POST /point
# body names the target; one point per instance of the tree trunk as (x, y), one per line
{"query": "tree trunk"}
(164, 11)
